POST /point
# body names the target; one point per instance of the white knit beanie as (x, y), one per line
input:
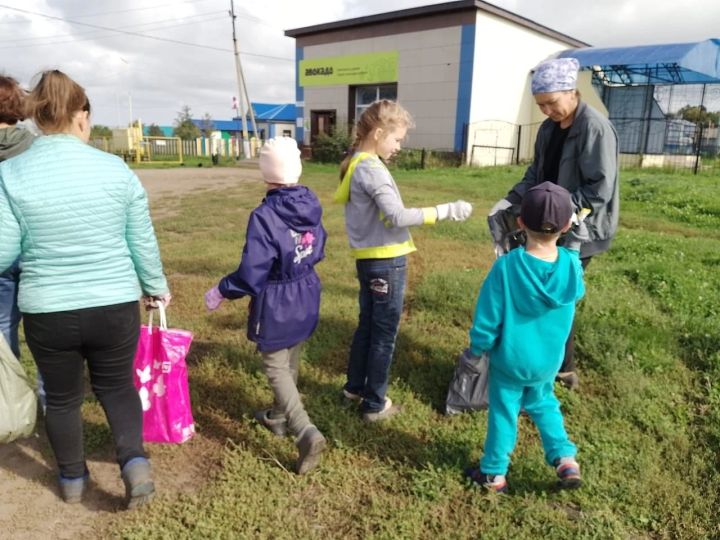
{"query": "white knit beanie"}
(280, 161)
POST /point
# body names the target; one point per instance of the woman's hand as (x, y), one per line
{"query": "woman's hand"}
(150, 302)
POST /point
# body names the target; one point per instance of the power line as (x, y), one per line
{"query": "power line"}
(98, 27)
(92, 33)
(174, 4)
(105, 36)
(137, 34)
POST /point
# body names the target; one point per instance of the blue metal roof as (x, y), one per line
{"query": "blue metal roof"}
(264, 112)
(678, 63)
(167, 130)
(224, 125)
(283, 112)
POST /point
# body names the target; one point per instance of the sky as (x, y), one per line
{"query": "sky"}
(188, 58)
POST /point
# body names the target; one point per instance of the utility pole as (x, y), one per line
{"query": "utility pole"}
(242, 90)
(130, 108)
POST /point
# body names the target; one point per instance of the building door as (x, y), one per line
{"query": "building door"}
(321, 122)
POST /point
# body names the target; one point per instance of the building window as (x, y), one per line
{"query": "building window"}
(364, 96)
(287, 133)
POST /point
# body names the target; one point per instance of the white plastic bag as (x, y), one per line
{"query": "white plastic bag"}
(18, 403)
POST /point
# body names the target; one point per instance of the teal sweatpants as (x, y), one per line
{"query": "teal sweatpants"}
(539, 401)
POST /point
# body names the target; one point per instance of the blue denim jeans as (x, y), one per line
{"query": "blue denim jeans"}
(382, 289)
(9, 313)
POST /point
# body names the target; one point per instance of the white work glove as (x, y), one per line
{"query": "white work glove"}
(454, 211)
(213, 298)
(502, 204)
(150, 302)
(578, 233)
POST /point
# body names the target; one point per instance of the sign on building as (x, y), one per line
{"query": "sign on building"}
(352, 69)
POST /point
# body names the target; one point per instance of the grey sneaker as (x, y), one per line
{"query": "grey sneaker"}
(73, 489)
(349, 399)
(139, 485)
(387, 411)
(311, 444)
(278, 426)
(568, 379)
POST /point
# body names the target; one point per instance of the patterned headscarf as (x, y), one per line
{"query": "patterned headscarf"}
(555, 75)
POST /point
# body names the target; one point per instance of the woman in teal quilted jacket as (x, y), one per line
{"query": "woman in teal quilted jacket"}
(78, 219)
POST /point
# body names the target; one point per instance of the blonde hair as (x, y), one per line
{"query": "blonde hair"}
(383, 114)
(54, 100)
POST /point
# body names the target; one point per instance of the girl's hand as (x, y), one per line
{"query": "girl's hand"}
(454, 211)
(213, 298)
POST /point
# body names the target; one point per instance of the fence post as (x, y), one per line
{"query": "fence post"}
(517, 150)
(422, 159)
(697, 151)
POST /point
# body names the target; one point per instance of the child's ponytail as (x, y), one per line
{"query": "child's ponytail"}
(345, 163)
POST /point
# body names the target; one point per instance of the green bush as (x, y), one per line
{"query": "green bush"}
(412, 158)
(331, 148)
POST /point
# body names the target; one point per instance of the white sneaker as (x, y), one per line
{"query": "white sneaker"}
(387, 411)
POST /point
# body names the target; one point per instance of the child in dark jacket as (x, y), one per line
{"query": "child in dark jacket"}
(285, 239)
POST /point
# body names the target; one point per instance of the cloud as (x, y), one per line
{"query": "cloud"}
(158, 77)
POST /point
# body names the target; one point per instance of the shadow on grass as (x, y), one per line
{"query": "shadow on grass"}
(224, 401)
(425, 369)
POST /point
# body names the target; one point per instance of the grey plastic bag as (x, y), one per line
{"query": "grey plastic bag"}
(504, 230)
(18, 403)
(468, 389)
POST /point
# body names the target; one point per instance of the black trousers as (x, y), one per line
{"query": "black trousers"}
(106, 337)
(569, 359)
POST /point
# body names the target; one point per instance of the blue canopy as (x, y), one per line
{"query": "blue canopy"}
(679, 63)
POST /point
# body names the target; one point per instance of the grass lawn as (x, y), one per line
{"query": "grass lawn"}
(646, 419)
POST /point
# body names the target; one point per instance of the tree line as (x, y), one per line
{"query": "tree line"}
(183, 127)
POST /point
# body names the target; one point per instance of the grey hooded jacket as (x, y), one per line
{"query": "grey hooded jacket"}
(13, 141)
(589, 170)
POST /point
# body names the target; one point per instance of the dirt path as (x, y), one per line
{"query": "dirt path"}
(30, 507)
(160, 183)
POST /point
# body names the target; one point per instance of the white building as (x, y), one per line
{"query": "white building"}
(461, 68)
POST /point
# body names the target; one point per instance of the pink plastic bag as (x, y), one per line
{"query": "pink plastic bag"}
(162, 382)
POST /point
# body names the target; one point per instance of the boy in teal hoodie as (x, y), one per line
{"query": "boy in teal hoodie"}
(522, 319)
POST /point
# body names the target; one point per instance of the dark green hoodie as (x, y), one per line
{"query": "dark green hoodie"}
(13, 141)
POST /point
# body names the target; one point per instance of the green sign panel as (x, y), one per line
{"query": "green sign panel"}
(355, 69)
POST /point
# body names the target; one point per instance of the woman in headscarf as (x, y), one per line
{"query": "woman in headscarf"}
(576, 148)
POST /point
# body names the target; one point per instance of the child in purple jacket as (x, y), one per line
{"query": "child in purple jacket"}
(285, 239)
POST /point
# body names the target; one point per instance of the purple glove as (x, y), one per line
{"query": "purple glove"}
(213, 299)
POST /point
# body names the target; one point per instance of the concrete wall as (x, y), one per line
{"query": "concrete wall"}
(501, 98)
(278, 129)
(427, 85)
(482, 109)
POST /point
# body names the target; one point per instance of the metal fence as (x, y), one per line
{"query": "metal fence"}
(173, 149)
(664, 126)
(661, 143)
